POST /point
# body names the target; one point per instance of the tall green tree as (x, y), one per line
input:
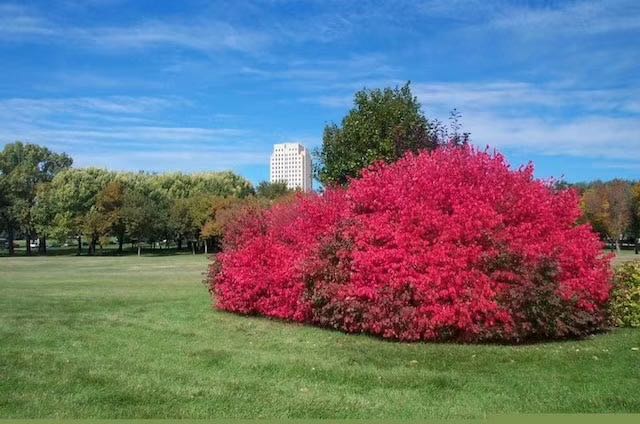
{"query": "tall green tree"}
(23, 166)
(383, 125)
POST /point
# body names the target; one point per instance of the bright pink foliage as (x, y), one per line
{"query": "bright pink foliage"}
(444, 245)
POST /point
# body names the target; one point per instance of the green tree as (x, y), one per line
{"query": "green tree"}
(43, 215)
(140, 216)
(72, 196)
(187, 217)
(272, 191)
(383, 125)
(23, 166)
(95, 225)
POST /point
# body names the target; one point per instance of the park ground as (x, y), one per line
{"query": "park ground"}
(130, 337)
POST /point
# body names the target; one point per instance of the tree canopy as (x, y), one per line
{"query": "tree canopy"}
(382, 126)
(23, 167)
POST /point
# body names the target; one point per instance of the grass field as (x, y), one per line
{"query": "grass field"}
(125, 337)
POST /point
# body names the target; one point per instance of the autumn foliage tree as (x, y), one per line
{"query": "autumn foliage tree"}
(443, 245)
(609, 208)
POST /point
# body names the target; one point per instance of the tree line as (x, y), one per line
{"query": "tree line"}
(43, 198)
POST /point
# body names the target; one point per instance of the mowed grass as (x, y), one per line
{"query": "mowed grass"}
(129, 337)
(625, 256)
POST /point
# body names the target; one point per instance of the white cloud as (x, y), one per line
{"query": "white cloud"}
(592, 17)
(19, 23)
(205, 37)
(588, 136)
(38, 107)
(520, 95)
(125, 132)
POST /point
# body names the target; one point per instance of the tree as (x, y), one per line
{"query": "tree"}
(95, 225)
(607, 206)
(220, 212)
(43, 215)
(383, 125)
(635, 216)
(187, 217)
(142, 217)
(72, 196)
(178, 185)
(4, 206)
(272, 191)
(24, 166)
(109, 204)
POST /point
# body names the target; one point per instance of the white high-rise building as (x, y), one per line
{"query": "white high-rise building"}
(291, 163)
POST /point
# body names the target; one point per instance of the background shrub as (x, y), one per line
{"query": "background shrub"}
(451, 244)
(625, 299)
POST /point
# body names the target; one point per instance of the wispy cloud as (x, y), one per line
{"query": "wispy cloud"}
(569, 121)
(587, 137)
(18, 23)
(125, 132)
(206, 36)
(592, 17)
(520, 95)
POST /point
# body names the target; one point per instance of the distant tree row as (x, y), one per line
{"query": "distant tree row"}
(42, 198)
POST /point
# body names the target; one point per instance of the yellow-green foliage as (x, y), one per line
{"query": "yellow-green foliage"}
(625, 300)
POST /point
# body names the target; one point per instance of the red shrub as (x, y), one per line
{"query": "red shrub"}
(444, 245)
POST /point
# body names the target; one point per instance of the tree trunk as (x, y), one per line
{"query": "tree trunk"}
(193, 247)
(92, 245)
(139, 249)
(618, 245)
(179, 244)
(120, 243)
(206, 246)
(42, 246)
(10, 236)
(28, 239)
(79, 245)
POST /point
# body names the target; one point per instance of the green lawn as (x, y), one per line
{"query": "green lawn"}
(626, 256)
(125, 337)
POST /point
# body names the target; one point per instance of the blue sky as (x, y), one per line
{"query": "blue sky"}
(206, 85)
